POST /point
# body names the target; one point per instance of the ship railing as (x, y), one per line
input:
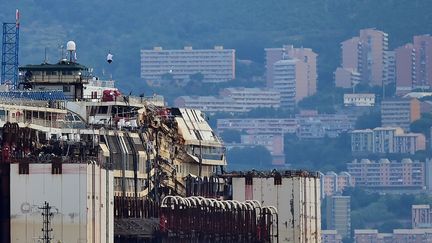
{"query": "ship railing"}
(155, 100)
(35, 103)
(102, 83)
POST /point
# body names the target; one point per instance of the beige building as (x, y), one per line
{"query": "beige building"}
(304, 55)
(366, 54)
(414, 64)
(386, 140)
(330, 236)
(372, 235)
(409, 143)
(216, 65)
(232, 100)
(251, 98)
(405, 68)
(423, 61)
(273, 126)
(383, 174)
(398, 236)
(339, 215)
(332, 183)
(290, 79)
(346, 77)
(421, 216)
(209, 104)
(399, 112)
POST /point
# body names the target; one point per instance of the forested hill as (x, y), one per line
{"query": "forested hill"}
(123, 27)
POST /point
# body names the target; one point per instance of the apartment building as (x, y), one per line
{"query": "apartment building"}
(384, 140)
(304, 126)
(286, 52)
(414, 64)
(216, 65)
(232, 100)
(372, 235)
(321, 125)
(273, 126)
(405, 68)
(332, 183)
(290, 79)
(421, 216)
(367, 55)
(423, 60)
(398, 236)
(399, 112)
(367, 100)
(383, 174)
(251, 98)
(339, 215)
(346, 77)
(210, 104)
(330, 236)
(409, 143)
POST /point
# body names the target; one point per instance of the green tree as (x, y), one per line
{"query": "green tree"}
(247, 158)
(369, 120)
(422, 125)
(198, 77)
(231, 136)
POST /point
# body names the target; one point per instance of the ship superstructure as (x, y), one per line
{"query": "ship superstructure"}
(148, 148)
(82, 162)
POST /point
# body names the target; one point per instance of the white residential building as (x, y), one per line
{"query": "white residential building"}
(216, 65)
(359, 99)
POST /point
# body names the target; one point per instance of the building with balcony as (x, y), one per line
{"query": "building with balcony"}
(421, 216)
(210, 104)
(372, 235)
(271, 126)
(215, 65)
(232, 100)
(332, 183)
(386, 174)
(304, 55)
(367, 55)
(405, 68)
(330, 236)
(251, 98)
(346, 77)
(339, 215)
(399, 112)
(383, 140)
(290, 79)
(367, 100)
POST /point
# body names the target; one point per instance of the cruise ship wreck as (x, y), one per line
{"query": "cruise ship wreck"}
(82, 162)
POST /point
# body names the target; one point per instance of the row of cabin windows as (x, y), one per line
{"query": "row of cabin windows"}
(52, 73)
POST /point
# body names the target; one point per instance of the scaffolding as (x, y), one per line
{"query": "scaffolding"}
(10, 46)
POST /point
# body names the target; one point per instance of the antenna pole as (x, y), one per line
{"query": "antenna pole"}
(46, 229)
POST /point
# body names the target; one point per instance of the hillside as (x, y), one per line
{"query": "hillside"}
(248, 26)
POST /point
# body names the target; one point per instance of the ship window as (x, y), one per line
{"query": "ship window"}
(66, 88)
(103, 110)
(23, 168)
